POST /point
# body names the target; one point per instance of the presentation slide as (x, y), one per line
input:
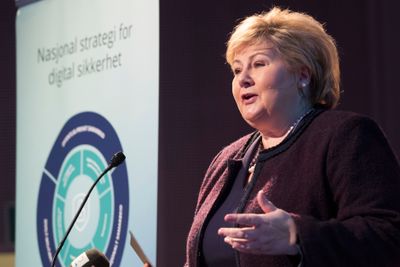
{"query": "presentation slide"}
(87, 87)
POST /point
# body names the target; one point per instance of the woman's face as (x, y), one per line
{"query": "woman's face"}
(265, 91)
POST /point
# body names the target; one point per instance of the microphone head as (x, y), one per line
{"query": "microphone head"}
(117, 159)
(91, 257)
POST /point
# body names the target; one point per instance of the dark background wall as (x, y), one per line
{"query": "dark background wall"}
(197, 113)
(7, 124)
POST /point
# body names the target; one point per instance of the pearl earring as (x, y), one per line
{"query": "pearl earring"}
(303, 84)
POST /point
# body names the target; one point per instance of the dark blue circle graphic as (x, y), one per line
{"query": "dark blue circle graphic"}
(80, 153)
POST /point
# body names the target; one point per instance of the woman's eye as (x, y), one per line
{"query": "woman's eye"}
(236, 71)
(259, 63)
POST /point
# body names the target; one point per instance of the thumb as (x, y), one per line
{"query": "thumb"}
(264, 203)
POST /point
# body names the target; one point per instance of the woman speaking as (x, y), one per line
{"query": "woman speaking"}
(311, 186)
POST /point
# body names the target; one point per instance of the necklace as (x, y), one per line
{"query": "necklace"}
(253, 162)
(296, 123)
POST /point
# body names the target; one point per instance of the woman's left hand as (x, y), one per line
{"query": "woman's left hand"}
(271, 233)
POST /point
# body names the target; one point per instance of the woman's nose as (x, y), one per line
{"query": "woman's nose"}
(245, 79)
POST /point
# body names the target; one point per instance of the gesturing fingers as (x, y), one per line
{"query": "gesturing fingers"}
(251, 247)
(246, 241)
(252, 226)
(244, 233)
(248, 219)
(271, 233)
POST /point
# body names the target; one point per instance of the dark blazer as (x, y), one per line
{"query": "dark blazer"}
(336, 174)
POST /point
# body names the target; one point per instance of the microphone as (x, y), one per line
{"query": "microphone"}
(116, 160)
(91, 257)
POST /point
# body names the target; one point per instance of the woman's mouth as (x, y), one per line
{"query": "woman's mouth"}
(249, 98)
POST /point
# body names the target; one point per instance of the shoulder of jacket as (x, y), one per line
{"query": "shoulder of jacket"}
(336, 119)
(237, 148)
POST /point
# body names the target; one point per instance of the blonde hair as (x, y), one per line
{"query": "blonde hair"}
(301, 41)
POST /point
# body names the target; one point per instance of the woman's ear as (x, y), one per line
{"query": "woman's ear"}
(304, 78)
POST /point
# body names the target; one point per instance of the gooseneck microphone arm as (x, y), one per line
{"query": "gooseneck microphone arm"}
(116, 160)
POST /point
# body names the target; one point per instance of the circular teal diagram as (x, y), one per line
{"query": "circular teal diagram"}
(75, 162)
(79, 171)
